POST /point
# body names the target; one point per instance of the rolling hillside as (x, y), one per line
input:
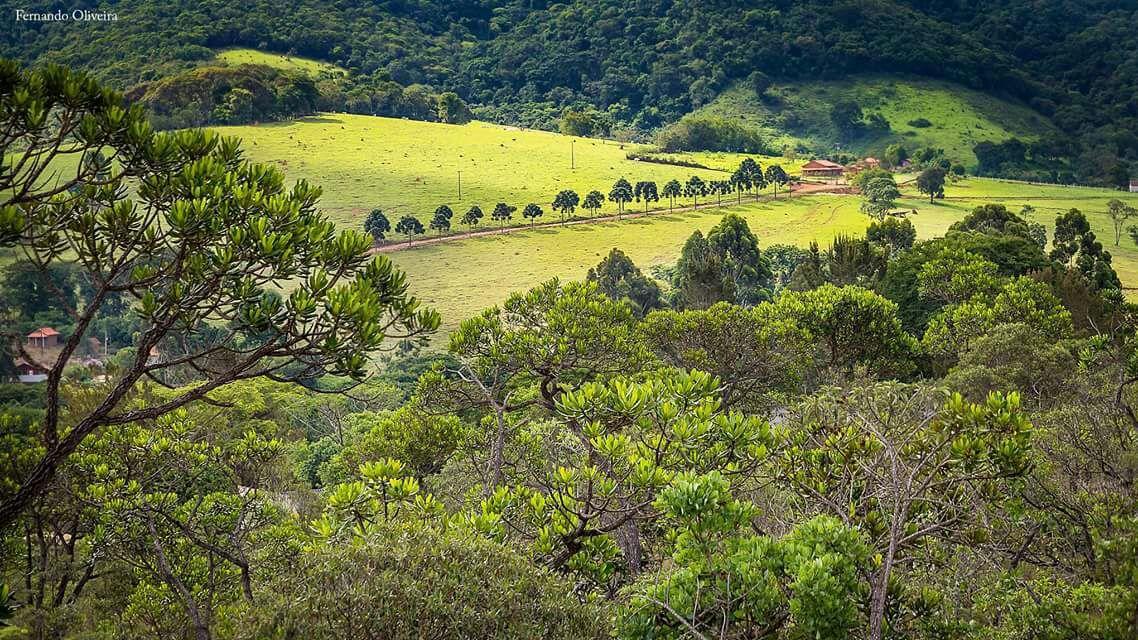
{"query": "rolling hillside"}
(946, 116)
(411, 167)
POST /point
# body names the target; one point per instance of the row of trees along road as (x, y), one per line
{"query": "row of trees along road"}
(749, 178)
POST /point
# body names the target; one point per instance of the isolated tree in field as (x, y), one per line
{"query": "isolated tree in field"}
(593, 202)
(931, 182)
(566, 203)
(879, 197)
(410, 227)
(202, 243)
(502, 212)
(472, 217)
(672, 190)
(776, 177)
(647, 192)
(695, 188)
(621, 194)
(1119, 212)
(441, 220)
(377, 225)
(533, 212)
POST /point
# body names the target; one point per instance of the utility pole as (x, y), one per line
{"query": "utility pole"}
(572, 154)
(460, 184)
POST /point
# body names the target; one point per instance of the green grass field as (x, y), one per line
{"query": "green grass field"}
(411, 167)
(278, 61)
(959, 117)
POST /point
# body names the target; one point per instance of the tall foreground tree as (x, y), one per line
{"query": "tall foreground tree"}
(197, 251)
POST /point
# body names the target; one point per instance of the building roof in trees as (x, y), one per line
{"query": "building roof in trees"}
(43, 332)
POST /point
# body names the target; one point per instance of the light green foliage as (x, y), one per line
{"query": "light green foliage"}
(1012, 357)
(182, 511)
(420, 440)
(386, 492)
(561, 334)
(957, 275)
(1021, 300)
(631, 437)
(757, 358)
(880, 196)
(853, 326)
(408, 582)
(727, 585)
(902, 467)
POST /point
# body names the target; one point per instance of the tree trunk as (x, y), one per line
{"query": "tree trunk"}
(201, 629)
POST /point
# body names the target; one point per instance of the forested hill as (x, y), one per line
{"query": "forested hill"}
(645, 62)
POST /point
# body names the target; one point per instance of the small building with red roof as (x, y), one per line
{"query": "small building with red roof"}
(43, 337)
(822, 169)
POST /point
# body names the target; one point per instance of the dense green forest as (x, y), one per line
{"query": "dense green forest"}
(877, 438)
(644, 64)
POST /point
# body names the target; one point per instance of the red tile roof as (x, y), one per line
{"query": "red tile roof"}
(821, 164)
(43, 332)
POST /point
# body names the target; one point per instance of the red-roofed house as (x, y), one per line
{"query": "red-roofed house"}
(43, 337)
(822, 169)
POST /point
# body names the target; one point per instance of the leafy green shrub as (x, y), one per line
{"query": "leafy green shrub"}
(413, 582)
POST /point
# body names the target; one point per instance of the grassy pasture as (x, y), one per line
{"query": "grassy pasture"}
(799, 113)
(409, 167)
(277, 61)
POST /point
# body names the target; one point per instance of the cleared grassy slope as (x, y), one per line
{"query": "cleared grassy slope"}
(411, 167)
(278, 61)
(799, 114)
